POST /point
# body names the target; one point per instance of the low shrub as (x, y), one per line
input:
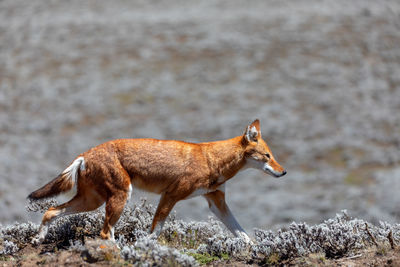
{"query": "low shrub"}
(181, 243)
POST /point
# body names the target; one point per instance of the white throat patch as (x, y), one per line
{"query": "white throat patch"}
(253, 164)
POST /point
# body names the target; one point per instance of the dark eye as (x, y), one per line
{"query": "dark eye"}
(268, 155)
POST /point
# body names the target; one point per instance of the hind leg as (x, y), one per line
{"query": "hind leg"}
(165, 206)
(83, 201)
(114, 207)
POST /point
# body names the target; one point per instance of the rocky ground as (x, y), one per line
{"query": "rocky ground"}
(322, 76)
(105, 256)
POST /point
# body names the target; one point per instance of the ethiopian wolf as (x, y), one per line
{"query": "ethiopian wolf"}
(174, 169)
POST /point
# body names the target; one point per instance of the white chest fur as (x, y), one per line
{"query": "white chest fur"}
(203, 191)
(199, 192)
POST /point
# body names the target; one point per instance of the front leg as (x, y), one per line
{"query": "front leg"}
(217, 204)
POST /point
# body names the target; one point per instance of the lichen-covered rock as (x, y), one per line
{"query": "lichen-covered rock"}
(100, 250)
(147, 252)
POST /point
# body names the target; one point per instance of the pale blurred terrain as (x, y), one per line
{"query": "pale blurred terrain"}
(322, 76)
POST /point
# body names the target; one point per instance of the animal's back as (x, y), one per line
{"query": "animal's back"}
(151, 164)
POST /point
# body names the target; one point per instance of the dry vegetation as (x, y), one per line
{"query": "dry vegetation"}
(73, 240)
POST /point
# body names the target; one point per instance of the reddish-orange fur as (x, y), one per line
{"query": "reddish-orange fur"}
(174, 169)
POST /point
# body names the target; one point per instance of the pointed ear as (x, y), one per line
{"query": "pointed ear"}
(253, 133)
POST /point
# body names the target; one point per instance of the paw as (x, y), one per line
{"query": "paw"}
(153, 236)
(36, 241)
(246, 238)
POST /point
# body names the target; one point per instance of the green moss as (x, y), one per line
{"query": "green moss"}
(188, 241)
(322, 259)
(224, 256)
(5, 258)
(273, 259)
(317, 257)
(381, 251)
(207, 258)
(108, 256)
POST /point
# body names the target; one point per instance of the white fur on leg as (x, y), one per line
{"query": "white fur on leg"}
(43, 229)
(112, 238)
(230, 222)
(130, 192)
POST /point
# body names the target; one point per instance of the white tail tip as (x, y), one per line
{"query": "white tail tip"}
(72, 169)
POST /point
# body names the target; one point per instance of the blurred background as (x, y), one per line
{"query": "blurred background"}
(323, 77)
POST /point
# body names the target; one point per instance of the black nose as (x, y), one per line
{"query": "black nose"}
(283, 173)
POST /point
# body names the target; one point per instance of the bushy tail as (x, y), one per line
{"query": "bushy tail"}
(62, 183)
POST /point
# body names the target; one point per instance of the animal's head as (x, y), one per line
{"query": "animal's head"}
(257, 153)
